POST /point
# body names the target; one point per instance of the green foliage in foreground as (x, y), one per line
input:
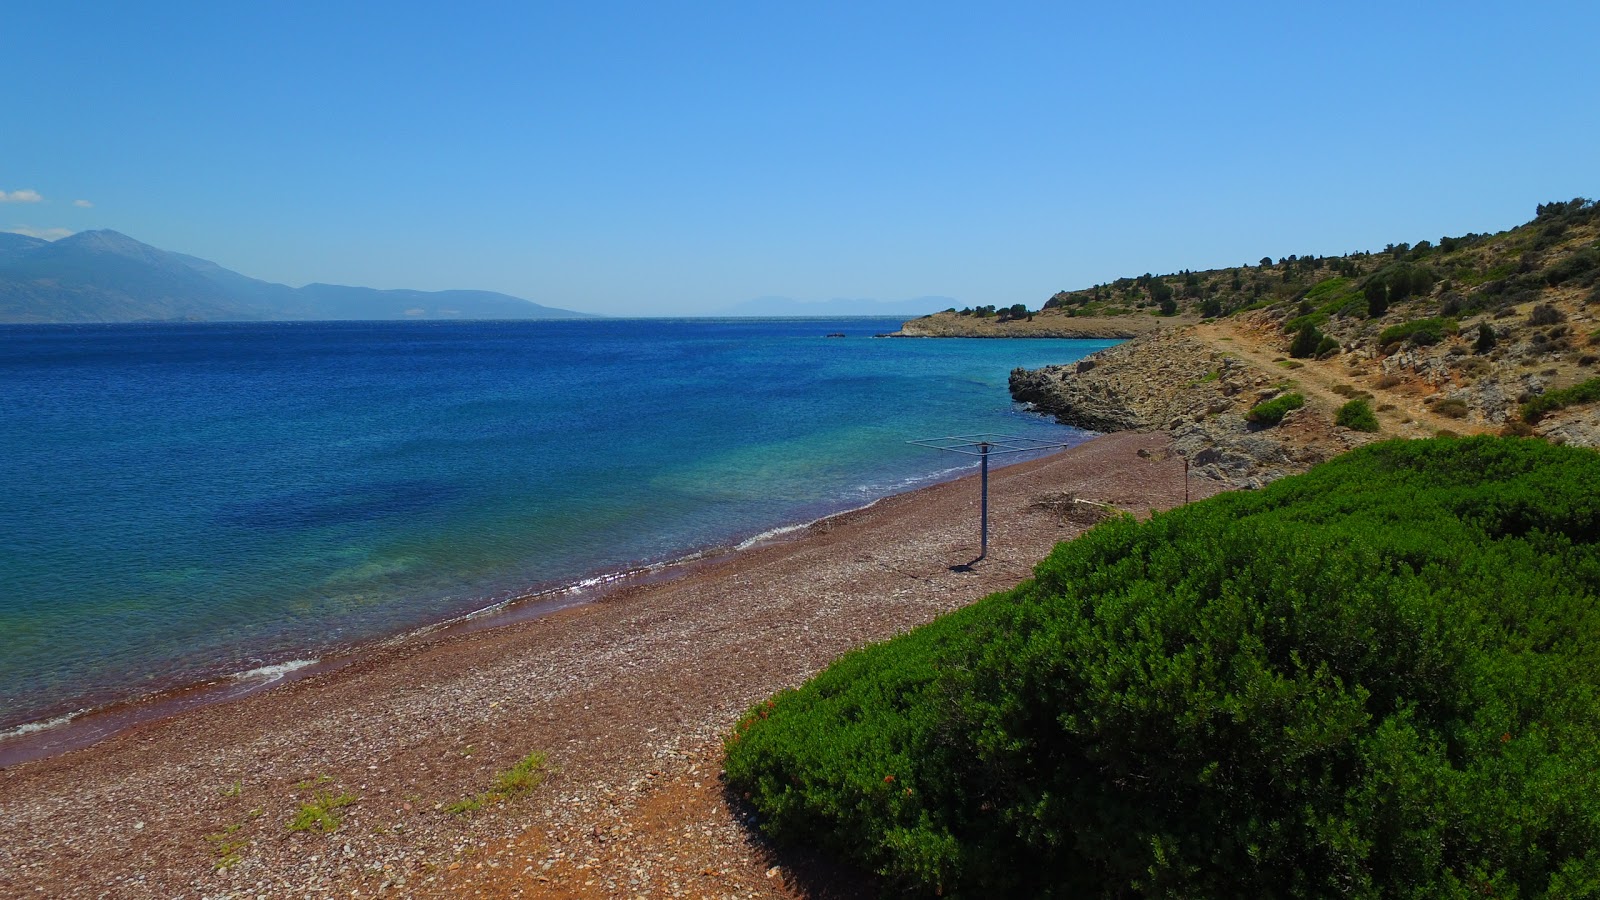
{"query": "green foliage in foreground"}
(1273, 411)
(1583, 392)
(1356, 415)
(1380, 678)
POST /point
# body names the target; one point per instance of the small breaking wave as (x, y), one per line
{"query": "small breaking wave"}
(43, 725)
(274, 671)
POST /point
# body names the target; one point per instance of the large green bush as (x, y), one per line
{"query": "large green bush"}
(1381, 678)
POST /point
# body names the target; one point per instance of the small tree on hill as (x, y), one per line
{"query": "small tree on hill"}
(1377, 299)
(1306, 342)
(1486, 339)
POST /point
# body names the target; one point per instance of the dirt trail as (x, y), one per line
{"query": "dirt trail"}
(1263, 345)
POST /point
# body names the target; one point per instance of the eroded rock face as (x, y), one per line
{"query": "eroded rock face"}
(1133, 386)
(1092, 406)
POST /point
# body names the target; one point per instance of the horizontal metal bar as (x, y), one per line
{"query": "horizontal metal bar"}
(987, 444)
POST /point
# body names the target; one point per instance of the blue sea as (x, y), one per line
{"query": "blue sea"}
(180, 502)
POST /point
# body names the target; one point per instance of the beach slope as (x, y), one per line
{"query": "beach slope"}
(629, 699)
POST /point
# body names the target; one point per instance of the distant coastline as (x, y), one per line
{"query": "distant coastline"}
(1048, 324)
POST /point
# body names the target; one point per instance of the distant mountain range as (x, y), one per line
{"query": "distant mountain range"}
(104, 276)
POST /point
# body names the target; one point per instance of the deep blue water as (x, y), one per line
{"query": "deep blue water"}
(183, 501)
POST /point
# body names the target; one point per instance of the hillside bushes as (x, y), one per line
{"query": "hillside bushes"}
(1583, 392)
(1272, 411)
(1357, 415)
(1381, 677)
(1418, 331)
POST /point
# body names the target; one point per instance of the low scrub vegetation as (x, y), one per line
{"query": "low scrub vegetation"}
(1378, 678)
(1272, 411)
(321, 814)
(1538, 407)
(526, 774)
(1418, 331)
(1357, 416)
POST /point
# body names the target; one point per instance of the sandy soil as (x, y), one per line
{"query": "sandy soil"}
(630, 699)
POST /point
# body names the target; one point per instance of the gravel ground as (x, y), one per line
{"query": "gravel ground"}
(629, 698)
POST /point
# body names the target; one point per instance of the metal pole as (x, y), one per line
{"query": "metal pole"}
(983, 449)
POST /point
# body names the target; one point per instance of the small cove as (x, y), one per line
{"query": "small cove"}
(188, 501)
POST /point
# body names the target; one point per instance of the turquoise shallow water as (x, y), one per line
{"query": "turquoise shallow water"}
(178, 502)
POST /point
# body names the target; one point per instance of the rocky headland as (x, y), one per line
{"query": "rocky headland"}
(1484, 333)
(1044, 325)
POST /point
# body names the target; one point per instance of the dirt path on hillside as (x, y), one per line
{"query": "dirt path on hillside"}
(1401, 410)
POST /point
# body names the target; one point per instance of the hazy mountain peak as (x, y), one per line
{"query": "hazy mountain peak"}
(16, 246)
(106, 240)
(113, 243)
(106, 276)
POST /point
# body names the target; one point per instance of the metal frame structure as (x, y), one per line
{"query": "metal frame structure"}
(984, 445)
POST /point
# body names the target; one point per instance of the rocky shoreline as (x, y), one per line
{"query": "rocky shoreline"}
(1199, 383)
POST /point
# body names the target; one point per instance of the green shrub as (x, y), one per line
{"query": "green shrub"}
(1582, 268)
(1550, 401)
(1273, 411)
(1486, 338)
(1381, 678)
(1305, 341)
(1396, 282)
(1357, 416)
(1545, 314)
(1418, 331)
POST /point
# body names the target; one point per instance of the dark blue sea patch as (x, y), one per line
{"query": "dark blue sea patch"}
(342, 506)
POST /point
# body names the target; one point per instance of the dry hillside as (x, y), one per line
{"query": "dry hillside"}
(1478, 333)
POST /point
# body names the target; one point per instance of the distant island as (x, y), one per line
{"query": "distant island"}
(105, 276)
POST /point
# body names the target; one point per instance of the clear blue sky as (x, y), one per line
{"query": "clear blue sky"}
(649, 158)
